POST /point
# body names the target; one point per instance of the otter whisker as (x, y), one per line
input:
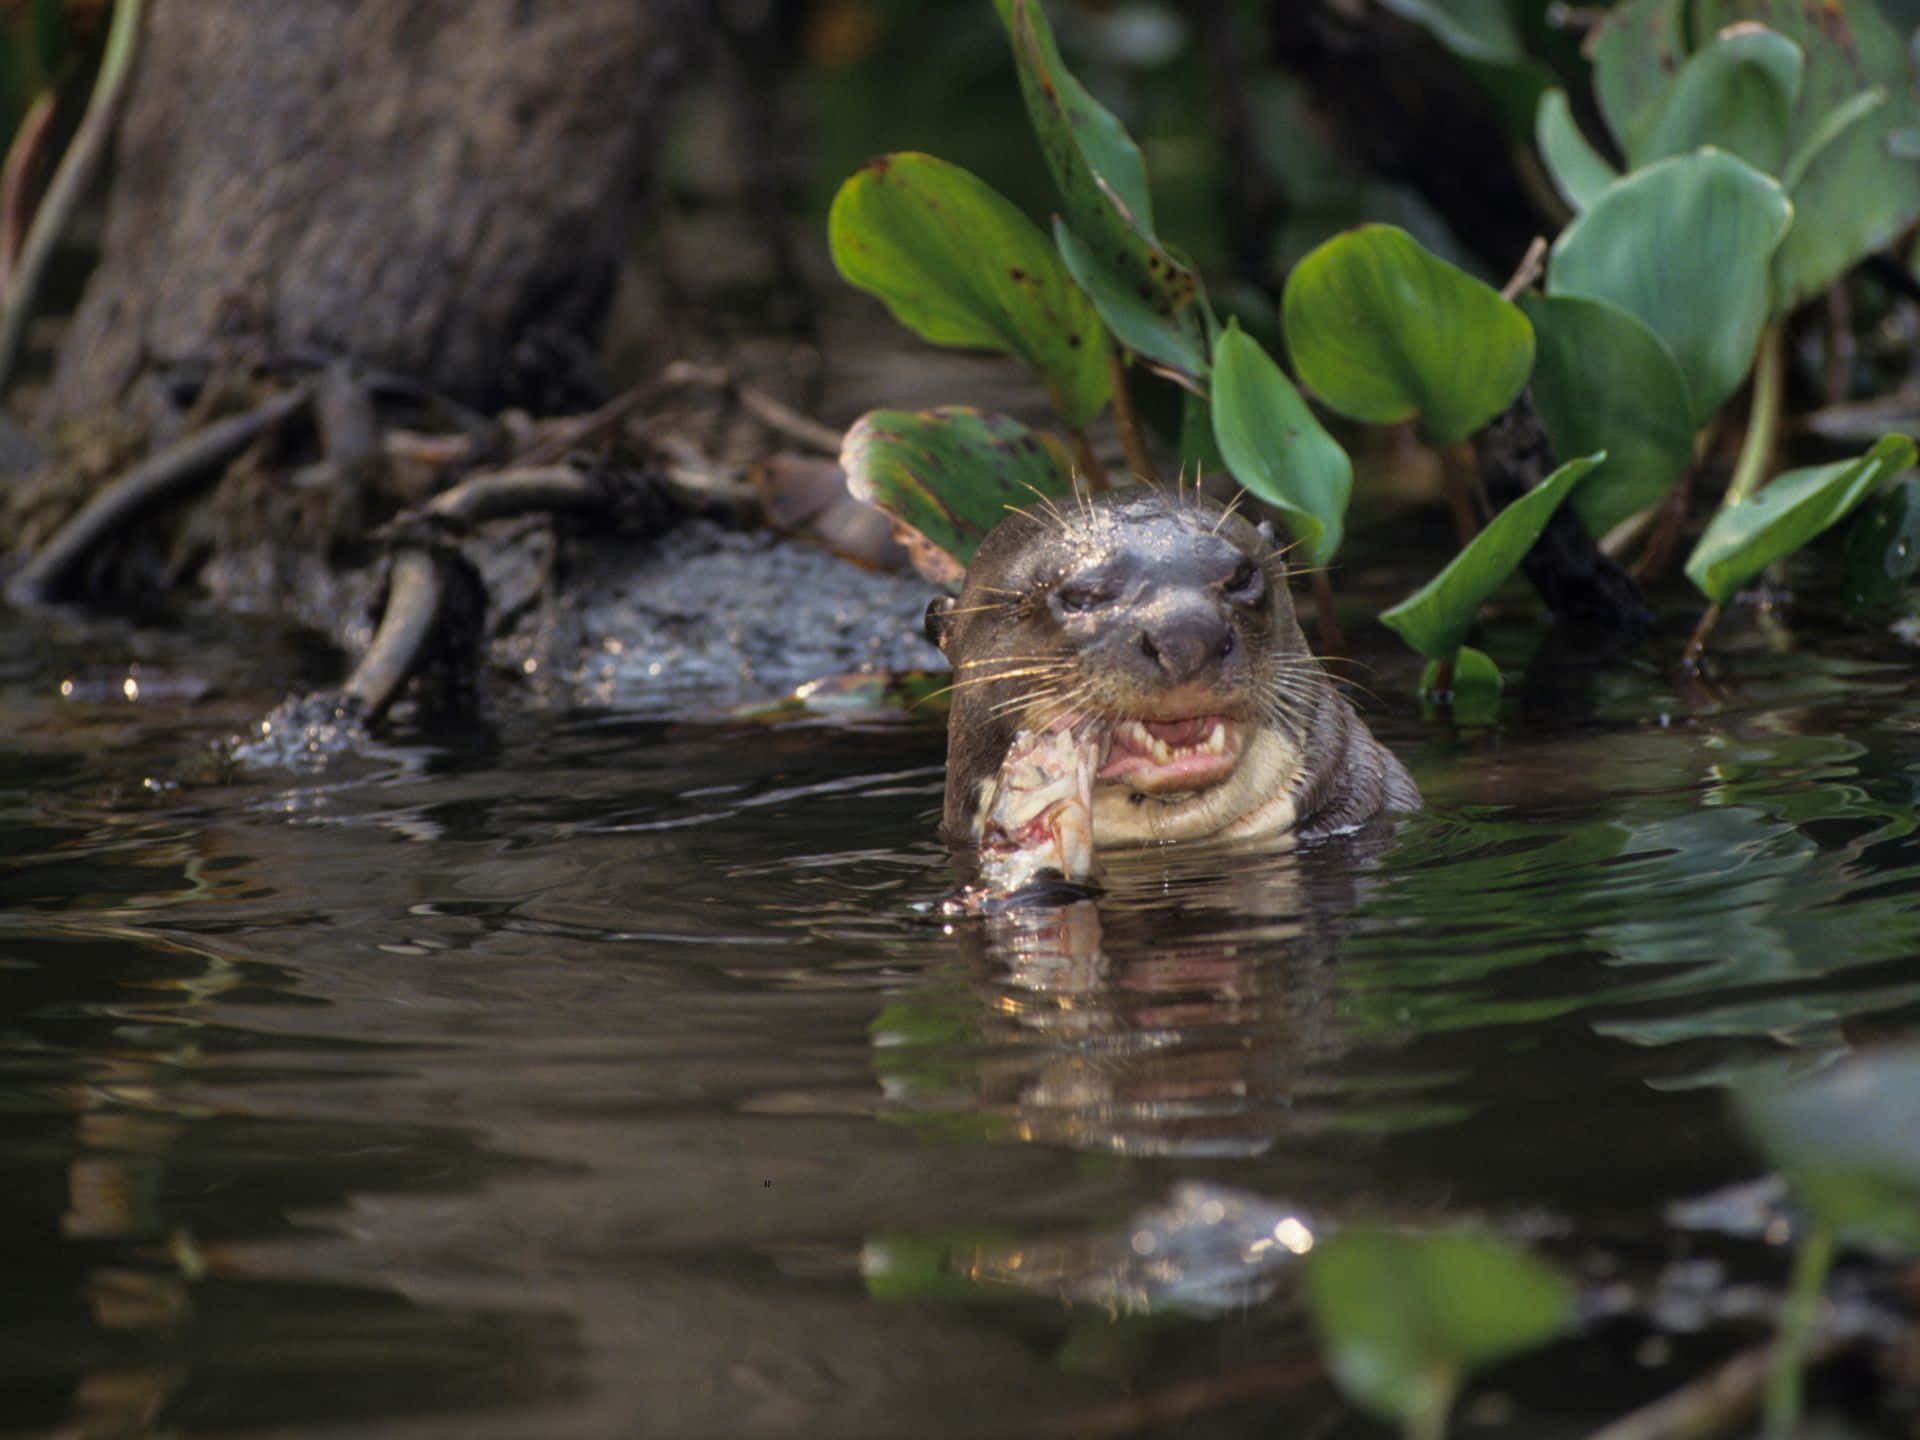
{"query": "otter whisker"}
(1047, 505)
(993, 608)
(1227, 509)
(970, 681)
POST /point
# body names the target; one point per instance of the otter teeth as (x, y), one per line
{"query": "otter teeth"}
(1135, 735)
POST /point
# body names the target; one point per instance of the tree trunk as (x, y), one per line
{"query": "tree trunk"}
(439, 187)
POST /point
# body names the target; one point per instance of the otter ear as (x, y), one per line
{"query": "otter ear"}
(939, 619)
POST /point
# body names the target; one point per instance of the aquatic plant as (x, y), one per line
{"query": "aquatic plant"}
(1404, 1318)
(1845, 1140)
(1763, 161)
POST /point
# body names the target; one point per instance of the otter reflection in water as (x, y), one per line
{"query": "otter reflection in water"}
(1128, 670)
(1194, 1008)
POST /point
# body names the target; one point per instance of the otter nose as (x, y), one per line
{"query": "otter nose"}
(1184, 643)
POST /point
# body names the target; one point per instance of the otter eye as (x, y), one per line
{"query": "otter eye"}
(1247, 583)
(1079, 597)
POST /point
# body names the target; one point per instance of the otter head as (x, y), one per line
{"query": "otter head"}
(1157, 629)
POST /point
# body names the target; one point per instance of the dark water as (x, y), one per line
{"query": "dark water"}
(609, 1076)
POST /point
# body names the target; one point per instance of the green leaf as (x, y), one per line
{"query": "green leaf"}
(1403, 1317)
(1604, 381)
(1199, 450)
(1845, 1139)
(1636, 50)
(1742, 540)
(1737, 93)
(957, 264)
(1381, 330)
(1096, 166)
(1436, 618)
(1473, 29)
(1579, 171)
(949, 475)
(1835, 123)
(1857, 192)
(1684, 245)
(1275, 447)
(1168, 341)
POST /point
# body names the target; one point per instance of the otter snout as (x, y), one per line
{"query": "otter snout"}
(1182, 642)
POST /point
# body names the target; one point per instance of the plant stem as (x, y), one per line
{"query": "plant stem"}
(1527, 271)
(1429, 1421)
(1763, 419)
(1690, 657)
(1796, 1331)
(1756, 457)
(1127, 421)
(70, 180)
(1459, 474)
(1332, 642)
(1090, 467)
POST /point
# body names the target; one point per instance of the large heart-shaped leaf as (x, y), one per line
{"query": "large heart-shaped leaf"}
(949, 475)
(1636, 50)
(1097, 167)
(1275, 447)
(1382, 331)
(956, 263)
(1859, 190)
(1436, 618)
(1737, 93)
(1403, 1317)
(1742, 540)
(1604, 381)
(1685, 245)
(1846, 1140)
(1169, 341)
(1579, 171)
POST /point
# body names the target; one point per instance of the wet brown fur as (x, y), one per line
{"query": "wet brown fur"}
(1160, 567)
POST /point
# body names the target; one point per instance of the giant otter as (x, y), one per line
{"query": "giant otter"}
(1127, 670)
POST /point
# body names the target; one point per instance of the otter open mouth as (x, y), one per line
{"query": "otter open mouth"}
(1036, 813)
(1159, 757)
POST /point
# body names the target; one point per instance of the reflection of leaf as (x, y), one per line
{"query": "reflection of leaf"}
(1579, 171)
(1604, 381)
(1742, 540)
(1275, 447)
(959, 265)
(949, 475)
(1846, 1140)
(1095, 164)
(1684, 245)
(1404, 1317)
(930, 1266)
(1436, 618)
(1382, 331)
(1883, 546)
